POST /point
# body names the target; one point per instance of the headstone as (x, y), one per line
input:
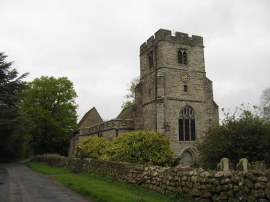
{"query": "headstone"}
(223, 165)
(242, 165)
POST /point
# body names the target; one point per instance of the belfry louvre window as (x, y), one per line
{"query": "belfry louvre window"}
(187, 124)
(182, 57)
(185, 57)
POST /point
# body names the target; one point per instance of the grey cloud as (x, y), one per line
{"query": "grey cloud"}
(96, 44)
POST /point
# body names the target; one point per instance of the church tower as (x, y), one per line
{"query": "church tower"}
(174, 96)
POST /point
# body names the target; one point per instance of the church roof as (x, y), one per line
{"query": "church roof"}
(90, 118)
(126, 113)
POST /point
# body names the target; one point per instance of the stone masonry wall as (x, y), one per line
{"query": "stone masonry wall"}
(253, 185)
(162, 92)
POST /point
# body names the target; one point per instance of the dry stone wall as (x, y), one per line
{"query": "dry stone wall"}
(253, 185)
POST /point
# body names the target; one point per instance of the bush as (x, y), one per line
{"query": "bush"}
(245, 136)
(94, 147)
(142, 147)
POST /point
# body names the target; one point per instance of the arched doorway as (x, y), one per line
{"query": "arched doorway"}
(187, 159)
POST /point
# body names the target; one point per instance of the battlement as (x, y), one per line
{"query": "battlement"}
(108, 125)
(166, 35)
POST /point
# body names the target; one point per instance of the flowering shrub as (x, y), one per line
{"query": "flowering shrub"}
(94, 147)
(141, 147)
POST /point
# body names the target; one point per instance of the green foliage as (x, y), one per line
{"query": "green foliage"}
(49, 112)
(246, 135)
(130, 97)
(142, 147)
(265, 103)
(94, 147)
(12, 142)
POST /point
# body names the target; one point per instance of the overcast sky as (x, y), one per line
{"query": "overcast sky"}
(95, 43)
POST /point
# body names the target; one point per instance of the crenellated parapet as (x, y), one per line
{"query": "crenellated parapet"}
(120, 124)
(166, 35)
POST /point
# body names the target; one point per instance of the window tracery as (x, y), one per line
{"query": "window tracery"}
(187, 124)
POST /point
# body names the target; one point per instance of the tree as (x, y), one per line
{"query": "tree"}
(11, 86)
(265, 102)
(130, 97)
(49, 112)
(246, 135)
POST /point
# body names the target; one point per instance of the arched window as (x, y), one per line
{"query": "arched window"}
(185, 57)
(180, 57)
(187, 124)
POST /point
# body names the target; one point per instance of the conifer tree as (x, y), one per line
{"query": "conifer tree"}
(10, 87)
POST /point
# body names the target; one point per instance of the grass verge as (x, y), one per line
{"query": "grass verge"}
(46, 169)
(101, 188)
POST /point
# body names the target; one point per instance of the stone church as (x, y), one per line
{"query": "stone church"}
(174, 96)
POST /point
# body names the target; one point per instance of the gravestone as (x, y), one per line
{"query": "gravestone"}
(223, 165)
(242, 165)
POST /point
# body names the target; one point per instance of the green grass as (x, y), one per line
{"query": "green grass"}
(46, 169)
(101, 188)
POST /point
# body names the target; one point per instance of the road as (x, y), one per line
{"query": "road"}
(18, 183)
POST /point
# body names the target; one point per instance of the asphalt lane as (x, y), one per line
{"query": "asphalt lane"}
(18, 183)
